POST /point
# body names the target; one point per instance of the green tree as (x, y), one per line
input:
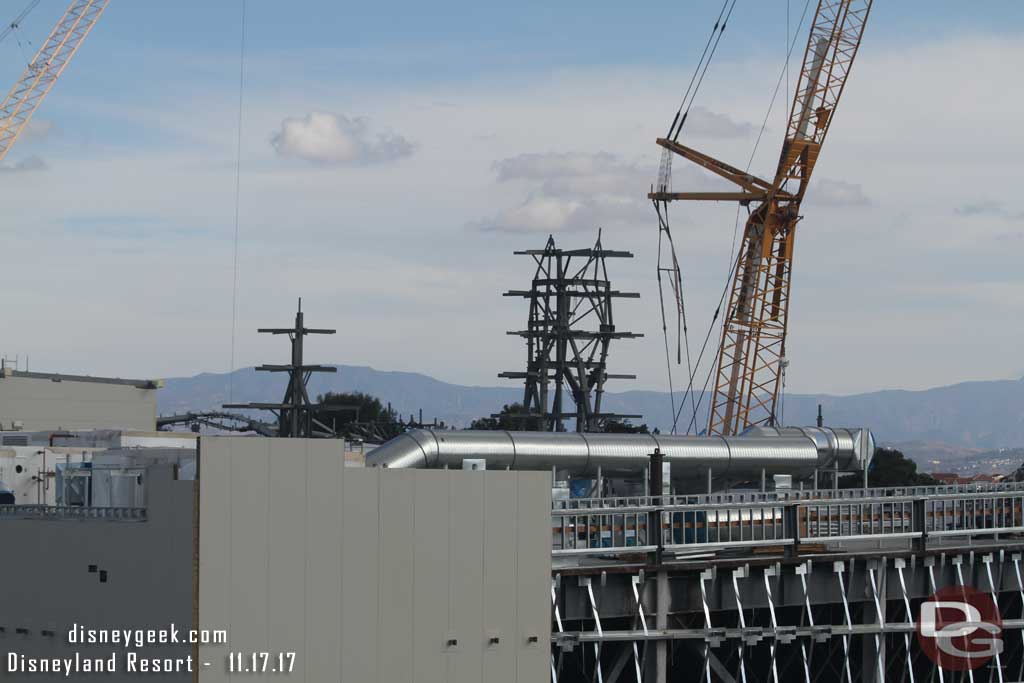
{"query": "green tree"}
(624, 427)
(343, 410)
(513, 417)
(890, 468)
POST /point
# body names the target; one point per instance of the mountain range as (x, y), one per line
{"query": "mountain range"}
(960, 418)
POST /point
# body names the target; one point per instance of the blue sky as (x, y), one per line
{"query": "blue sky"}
(374, 143)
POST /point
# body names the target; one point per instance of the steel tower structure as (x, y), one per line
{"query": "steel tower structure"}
(568, 334)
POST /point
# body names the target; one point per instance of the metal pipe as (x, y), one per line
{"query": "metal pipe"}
(776, 450)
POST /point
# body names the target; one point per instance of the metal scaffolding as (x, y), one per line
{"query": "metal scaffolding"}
(569, 331)
(816, 585)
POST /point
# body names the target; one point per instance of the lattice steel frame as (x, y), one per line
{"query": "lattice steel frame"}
(834, 618)
(570, 289)
(45, 68)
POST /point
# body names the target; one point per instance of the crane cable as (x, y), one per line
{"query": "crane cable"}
(733, 263)
(238, 193)
(16, 23)
(699, 72)
(719, 29)
(664, 232)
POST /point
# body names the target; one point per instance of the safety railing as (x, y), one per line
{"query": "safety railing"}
(609, 526)
(753, 496)
(973, 515)
(855, 519)
(626, 528)
(59, 512)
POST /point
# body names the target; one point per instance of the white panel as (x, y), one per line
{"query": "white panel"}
(286, 551)
(323, 562)
(430, 591)
(367, 574)
(359, 576)
(214, 551)
(533, 567)
(466, 524)
(499, 552)
(250, 459)
(396, 575)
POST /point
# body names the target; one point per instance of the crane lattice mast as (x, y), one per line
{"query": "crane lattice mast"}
(45, 68)
(752, 354)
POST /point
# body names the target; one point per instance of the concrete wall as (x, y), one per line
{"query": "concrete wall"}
(41, 403)
(372, 575)
(46, 584)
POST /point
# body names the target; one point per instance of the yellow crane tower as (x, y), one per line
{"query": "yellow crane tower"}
(752, 354)
(45, 68)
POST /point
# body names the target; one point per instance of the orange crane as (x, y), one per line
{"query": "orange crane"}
(45, 68)
(752, 355)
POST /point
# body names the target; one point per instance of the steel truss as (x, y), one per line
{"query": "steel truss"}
(829, 618)
(570, 329)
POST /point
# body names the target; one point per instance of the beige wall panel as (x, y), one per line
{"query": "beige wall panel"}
(466, 524)
(366, 574)
(323, 564)
(397, 533)
(533, 570)
(286, 553)
(250, 465)
(360, 576)
(41, 403)
(499, 596)
(431, 549)
(214, 549)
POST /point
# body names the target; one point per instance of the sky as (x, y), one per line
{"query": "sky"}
(393, 155)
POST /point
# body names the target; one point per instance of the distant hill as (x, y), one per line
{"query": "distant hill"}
(961, 417)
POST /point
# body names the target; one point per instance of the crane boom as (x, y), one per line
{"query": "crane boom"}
(752, 355)
(45, 68)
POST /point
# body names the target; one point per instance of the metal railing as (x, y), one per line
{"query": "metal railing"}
(751, 496)
(610, 526)
(59, 512)
(625, 528)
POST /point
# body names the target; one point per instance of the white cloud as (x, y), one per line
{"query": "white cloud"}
(571, 191)
(546, 166)
(38, 129)
(28, 164)
(336, 139)
(991, 209)
(704, 123)
(826, 192)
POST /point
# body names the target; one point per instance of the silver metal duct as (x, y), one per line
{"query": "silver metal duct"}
(774, 451)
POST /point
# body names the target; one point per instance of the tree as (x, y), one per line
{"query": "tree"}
(624, 427)
(890, 468)
(356, 412)
(508, 419)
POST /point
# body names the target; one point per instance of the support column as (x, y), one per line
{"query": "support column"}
(874, 646)
(661, 622)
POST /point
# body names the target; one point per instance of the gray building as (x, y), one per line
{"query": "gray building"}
(40, 401)
(337, 573)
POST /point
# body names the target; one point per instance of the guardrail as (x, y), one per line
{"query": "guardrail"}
(609, 526)
(60, 512)
(750, 496)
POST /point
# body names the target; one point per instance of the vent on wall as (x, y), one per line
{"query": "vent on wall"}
(16, 440)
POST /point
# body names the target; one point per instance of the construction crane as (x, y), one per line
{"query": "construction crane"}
(751, 359)
(45, 68)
